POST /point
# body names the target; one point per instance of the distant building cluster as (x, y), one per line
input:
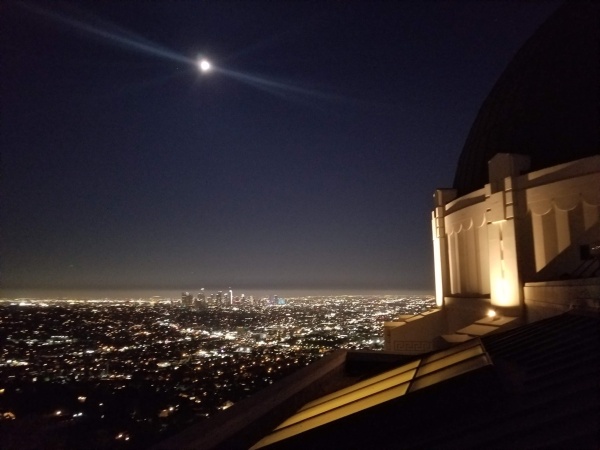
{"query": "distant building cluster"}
(226, 298)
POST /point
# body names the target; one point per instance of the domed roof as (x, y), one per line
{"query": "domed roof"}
(546, 103)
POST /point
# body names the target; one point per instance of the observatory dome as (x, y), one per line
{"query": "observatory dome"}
(546, 102)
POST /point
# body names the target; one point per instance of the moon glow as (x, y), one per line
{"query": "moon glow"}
(204, 65)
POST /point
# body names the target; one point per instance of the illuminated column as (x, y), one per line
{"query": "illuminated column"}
(440, 243)
(505, 283)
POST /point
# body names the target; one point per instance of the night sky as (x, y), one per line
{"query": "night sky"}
(307, 159)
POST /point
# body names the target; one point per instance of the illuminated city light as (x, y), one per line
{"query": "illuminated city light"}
(227, 349)
(122, 436)
(8, 416)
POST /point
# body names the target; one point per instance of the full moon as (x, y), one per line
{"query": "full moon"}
(204, 65)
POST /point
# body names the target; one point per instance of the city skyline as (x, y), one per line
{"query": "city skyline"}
(307, 161)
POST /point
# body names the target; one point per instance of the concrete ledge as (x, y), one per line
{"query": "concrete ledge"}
(548, 298)
(417, 335)
(461, 311)
(587, 288)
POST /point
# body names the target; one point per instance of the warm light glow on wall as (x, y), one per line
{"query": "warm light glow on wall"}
(439, 288)
(504, 276)
(502, 293)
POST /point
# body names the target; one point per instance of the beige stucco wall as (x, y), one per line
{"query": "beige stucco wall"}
(519, 228)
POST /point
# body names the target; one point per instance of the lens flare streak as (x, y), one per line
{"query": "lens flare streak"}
(272, 86)
(144, 47)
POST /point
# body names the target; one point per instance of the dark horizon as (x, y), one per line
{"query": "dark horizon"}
(307, 158)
